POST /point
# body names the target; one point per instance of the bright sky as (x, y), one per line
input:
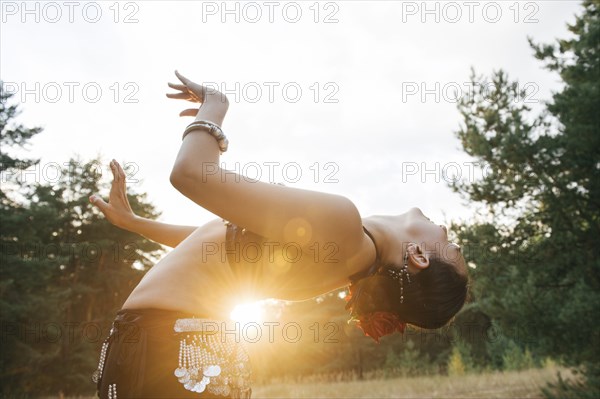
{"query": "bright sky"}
(334, 96)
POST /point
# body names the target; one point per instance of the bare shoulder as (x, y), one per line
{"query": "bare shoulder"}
(284, 213)
(324, 217)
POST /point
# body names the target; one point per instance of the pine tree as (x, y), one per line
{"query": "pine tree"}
(537, 265)
(65, 271)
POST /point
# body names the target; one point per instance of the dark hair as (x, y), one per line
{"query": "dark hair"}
(433, 297)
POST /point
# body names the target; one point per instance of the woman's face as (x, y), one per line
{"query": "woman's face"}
(432, 238)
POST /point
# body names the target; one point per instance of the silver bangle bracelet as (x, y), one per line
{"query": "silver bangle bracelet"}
(211, 128)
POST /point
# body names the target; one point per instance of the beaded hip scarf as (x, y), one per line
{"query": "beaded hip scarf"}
(211, 361)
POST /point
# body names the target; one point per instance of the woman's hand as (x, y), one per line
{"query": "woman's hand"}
(196, 93)
(117, 211)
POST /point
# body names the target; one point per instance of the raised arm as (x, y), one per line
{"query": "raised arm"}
(118, 212)
(278, 212)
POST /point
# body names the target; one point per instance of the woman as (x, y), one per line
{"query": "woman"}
(401, 268)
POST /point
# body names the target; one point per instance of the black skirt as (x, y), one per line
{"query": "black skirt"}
(142, 355)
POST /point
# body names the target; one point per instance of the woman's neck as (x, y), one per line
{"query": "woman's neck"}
(389, 234)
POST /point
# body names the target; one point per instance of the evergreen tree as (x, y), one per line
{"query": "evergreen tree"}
(537, 265)
(23, 273)
(64, 272)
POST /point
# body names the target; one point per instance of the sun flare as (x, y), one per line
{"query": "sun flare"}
(248, 312)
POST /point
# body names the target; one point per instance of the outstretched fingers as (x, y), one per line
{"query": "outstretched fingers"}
(119, 188)
(117, 209)
(197, 91)
(177, 86)
(193, 92)
(118, 174)
(184, 93)
(183, 79)
(181, 96)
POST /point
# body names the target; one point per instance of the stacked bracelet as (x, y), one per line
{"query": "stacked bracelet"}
(211, 128)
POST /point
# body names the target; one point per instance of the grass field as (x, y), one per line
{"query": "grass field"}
(516, 384)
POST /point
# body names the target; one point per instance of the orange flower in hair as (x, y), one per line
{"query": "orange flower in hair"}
(378, 324)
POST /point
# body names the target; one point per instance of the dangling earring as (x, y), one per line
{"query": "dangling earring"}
(399, 275)
(404, 272)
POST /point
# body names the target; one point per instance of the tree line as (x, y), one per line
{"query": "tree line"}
(533, 253)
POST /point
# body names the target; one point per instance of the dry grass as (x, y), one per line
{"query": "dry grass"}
(517, 384)
(514, 384)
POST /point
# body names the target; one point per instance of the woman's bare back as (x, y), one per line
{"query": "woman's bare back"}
(183, 280)
(196, 276)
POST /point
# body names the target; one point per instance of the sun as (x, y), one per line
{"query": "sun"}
(248, 312)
